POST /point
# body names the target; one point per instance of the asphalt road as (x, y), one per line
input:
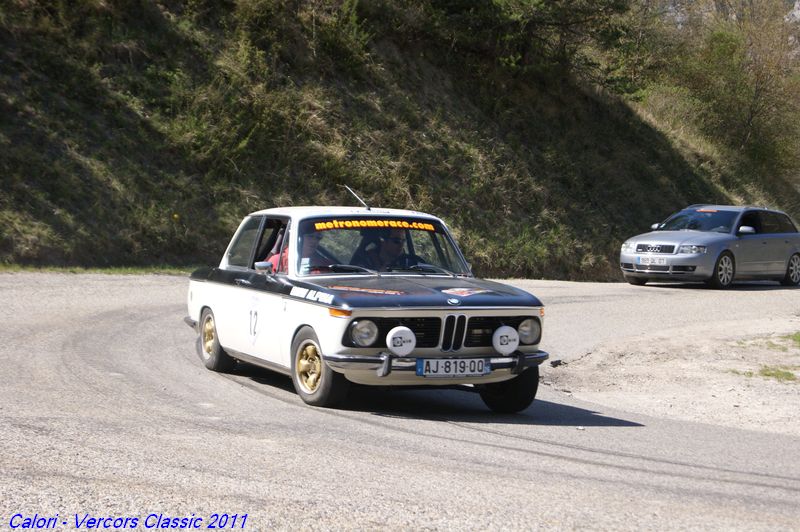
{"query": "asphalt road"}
(106, 410)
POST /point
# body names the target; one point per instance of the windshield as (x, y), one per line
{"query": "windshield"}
(709, 220)
(362, 245)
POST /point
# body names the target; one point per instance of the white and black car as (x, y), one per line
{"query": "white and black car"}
(334, 295)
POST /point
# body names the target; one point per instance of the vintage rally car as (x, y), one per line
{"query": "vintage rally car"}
(334, 295)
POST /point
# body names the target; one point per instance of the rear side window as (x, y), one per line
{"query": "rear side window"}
(783, 223)
(242, 247)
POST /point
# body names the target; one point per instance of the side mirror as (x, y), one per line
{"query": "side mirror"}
(655, 226)
(264, 267)
(746, 230)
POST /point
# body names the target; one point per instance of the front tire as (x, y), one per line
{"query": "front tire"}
(314, 381)
(792, 277)
(214, 357)
(513, 395)
(724, 271)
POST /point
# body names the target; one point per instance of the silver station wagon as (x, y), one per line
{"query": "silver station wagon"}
(337, 295)
(715, 244)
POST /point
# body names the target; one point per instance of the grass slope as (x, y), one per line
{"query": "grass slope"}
(137, 133)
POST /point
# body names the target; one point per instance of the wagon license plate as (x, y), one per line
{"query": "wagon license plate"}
(658, 261)
(450, 367)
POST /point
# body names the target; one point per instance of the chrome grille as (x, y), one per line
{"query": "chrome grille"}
(654, 248)
(453, 336)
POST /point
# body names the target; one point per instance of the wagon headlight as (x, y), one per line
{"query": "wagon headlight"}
(627, 247)
(529, 331)
(692, 249)
(364, 332)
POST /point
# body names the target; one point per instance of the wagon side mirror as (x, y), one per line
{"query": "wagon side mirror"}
(655, 226)
(746, 230)
(264, 267)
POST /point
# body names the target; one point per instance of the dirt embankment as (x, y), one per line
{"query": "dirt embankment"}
(750, 382)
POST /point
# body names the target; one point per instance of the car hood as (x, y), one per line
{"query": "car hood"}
(419, 291)
(677, 238)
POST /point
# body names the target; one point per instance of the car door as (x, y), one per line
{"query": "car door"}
(777, 230)
(750, 249)
(234, 270)
(256, 300)
(265, 299)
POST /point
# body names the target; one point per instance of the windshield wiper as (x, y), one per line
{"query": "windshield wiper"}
(346, 268)
(430, 268)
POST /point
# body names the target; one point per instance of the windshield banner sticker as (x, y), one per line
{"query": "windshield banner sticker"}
(464, 292)
(357, 224)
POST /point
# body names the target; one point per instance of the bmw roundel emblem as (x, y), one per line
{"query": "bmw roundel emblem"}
(453, 301)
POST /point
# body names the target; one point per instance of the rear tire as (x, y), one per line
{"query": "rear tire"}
(512, 395)
(792, 277)
(724, 271)
(214, 357)
(314, 381)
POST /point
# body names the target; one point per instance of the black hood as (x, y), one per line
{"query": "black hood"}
(371, 291)
(422, 291)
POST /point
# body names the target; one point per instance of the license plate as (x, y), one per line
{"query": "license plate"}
(452, 367)
(658, 261)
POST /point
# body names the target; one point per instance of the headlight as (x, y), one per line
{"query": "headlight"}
(692, 249)
(627, 247)
(364, 332)
(529, 331)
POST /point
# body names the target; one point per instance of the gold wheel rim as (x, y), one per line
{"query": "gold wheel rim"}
(209, 335)
(308, 367)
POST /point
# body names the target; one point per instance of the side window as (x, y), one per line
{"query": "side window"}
(282, 265)
(241, 248)
(770, 222)
(752, 219)
(271, 238)
(785, 223)
(780, 223)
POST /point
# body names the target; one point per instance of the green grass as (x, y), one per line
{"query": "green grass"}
(140, 134)
(777, 347)
(794, 338)
(780, 373)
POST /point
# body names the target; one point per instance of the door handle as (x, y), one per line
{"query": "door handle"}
(243, 282)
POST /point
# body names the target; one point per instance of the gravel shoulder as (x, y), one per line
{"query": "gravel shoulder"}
(750, 382)
(728, 358)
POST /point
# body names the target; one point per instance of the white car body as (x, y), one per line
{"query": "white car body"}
(258, 314)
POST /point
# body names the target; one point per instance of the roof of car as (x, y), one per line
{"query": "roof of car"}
(737, 208)
(311, 211)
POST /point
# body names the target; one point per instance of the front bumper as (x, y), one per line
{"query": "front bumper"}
(676, 267)
(191, 323)
(387, 368)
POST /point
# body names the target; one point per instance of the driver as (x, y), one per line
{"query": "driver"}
(387, 252)
(310, 257)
